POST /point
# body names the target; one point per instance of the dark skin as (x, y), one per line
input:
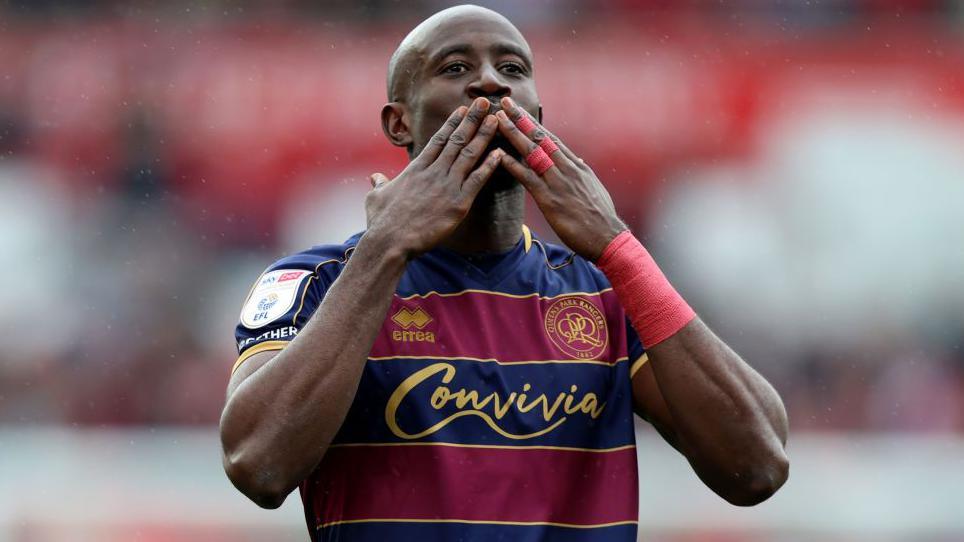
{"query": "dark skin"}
(284, 408)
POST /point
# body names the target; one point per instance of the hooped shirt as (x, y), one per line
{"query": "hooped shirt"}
(495, 404)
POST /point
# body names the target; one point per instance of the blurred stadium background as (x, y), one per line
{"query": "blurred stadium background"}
(796, 166)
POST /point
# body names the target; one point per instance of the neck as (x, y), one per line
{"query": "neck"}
(494, 223)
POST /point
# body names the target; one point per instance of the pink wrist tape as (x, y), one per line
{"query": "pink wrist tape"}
(654, 307)
(526, 125)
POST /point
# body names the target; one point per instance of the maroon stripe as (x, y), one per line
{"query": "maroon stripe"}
(475, 484)
(484, 325)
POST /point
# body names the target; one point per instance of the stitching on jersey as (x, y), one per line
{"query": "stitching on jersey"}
(568, 260)
(314, 276)
(503, 294)
(478, 522)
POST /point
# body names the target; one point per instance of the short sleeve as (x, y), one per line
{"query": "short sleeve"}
(278, 306)
(634, 349)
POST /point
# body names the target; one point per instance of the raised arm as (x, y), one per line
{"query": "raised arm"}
(283, 409)
(707, 402)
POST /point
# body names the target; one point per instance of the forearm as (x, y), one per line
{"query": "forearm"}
(719, 412)
(727, 419)
(278, 423)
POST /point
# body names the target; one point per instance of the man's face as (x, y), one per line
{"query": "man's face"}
(464, 59)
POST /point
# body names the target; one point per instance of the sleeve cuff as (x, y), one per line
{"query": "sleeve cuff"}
(638, 364)
(257, 349)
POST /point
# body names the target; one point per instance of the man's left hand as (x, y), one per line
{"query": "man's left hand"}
(570, 196)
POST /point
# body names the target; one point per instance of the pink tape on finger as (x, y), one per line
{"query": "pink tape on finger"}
(548, 145)
(525, 125)
(539, 161)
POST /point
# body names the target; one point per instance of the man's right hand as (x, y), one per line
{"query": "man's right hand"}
(426, 202)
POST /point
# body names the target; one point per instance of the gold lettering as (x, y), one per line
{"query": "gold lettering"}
(439, 397)
(500, 412)
(469, 403)
(413, 336)
(588, 405)
(567, 407)
(548, 414)
(462, 399)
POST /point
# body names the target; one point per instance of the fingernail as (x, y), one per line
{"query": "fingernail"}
(501, 114)
(462, 110)
(507, 102)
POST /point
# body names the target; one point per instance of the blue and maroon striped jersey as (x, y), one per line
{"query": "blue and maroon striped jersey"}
(495, 403)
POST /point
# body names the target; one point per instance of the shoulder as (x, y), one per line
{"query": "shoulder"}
(319, 260)
(292, 285)
(293, 275)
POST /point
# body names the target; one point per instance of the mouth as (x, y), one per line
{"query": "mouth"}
(495, 105)
(500, 142)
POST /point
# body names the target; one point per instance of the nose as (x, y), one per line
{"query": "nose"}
(489, 84)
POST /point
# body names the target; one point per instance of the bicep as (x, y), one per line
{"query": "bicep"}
(648, 401)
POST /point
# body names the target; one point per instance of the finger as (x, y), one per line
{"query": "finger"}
(477, 179)
(470, 154)
(378, 179)
(438, 141)
(528, 178)
(563, 148)
(535, 131)
(523, 144)
(463, 134)
(511, 132)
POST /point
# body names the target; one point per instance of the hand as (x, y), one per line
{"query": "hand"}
(569, 194)
(426, 202)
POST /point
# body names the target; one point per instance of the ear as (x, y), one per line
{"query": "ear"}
(395, 124)
(540, 114)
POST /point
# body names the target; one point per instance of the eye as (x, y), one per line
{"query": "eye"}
(513, 68)
(455, 68)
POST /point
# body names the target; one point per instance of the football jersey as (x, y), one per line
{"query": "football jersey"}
(495, 403)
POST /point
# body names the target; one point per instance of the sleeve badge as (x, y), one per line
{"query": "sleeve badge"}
(272, 297)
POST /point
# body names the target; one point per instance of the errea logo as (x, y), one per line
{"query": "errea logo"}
(412, 321)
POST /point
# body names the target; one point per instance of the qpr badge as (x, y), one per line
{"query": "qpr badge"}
(273, 296)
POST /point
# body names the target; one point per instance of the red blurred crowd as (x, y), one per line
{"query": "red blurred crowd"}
(171, 139)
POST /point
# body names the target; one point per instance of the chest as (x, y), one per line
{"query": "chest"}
(483, 367)
(504, 327)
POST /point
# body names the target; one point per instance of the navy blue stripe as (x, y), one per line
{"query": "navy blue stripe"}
(430, 532)
(366, 423)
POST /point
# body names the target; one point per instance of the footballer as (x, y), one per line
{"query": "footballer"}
(446, 374)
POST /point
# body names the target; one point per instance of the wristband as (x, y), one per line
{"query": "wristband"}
(653, 306)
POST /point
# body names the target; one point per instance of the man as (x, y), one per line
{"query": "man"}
(447, 376)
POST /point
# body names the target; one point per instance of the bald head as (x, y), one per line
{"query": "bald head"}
(412, 51)
(452, 58)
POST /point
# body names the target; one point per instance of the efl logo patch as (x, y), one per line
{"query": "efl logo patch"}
(577, 327)
(273, 296)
